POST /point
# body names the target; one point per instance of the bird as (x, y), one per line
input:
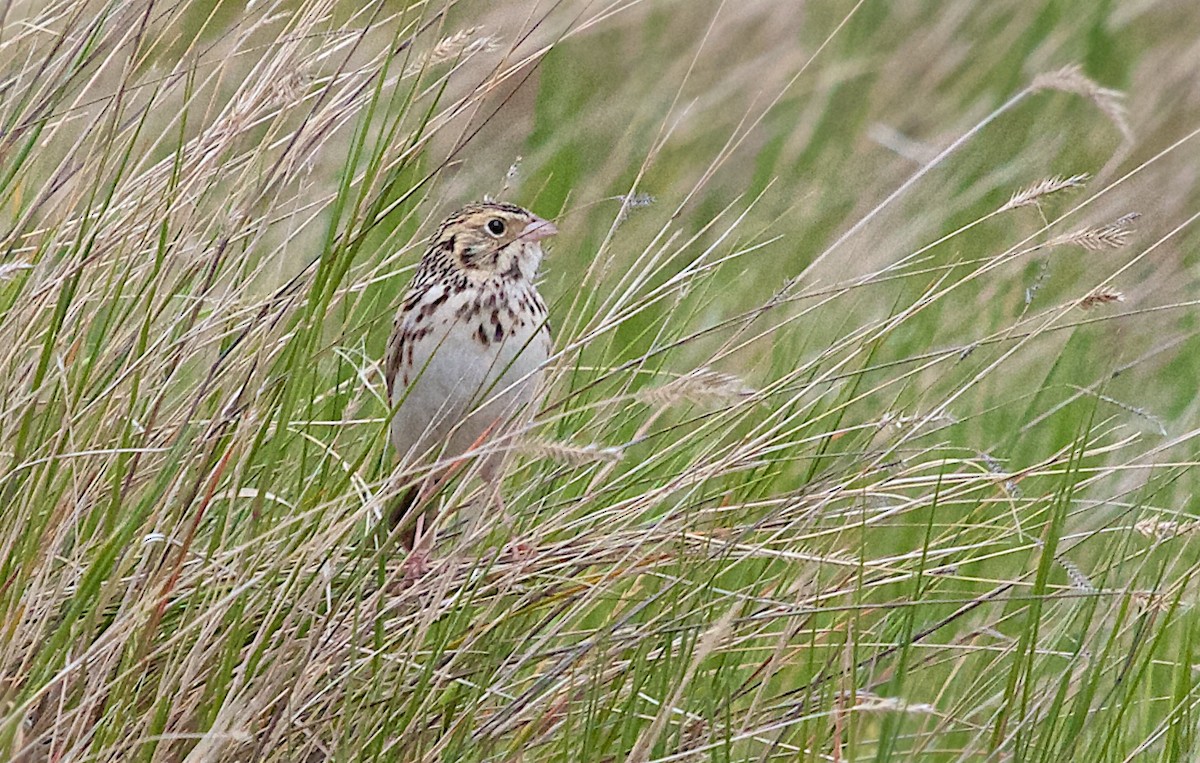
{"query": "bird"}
(466, 352)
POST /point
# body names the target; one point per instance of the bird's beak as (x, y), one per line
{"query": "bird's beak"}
(538, 229)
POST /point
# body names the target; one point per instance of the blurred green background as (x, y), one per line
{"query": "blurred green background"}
(932, 508)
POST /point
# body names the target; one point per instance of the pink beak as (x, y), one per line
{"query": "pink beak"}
(538, 229)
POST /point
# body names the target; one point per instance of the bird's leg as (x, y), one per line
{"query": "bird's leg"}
(401, 517)
(517, 550)
(416, 564)
(492, 472)
(416, 527)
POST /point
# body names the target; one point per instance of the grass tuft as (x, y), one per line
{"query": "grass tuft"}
(927, 509)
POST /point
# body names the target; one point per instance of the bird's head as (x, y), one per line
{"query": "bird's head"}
(491, 239)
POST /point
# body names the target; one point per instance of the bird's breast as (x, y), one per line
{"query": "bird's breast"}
(473, 337)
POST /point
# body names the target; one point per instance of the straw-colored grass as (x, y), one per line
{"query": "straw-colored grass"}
(870, 433)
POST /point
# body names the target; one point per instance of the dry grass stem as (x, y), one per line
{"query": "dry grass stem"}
(632, 201)
(1031, 195)
(1165, 529)
(570, 454)
(1101, 295)
(1097, 238)
(10, 269)
(872, 703)
(701, 386)
(1071, 79)
(912, 460)
(1150, 601)
(457, 47)
(1079, 580)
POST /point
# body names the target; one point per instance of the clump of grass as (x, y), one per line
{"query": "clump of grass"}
(907, 520)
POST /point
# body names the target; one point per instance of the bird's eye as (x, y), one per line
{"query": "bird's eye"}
(496, 226)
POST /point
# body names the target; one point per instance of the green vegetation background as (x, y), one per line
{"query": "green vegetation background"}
(932, 508)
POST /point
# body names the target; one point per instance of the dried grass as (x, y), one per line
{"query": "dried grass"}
(1101, 295)
(1071, 79)
(1031, 195)
(205, 229)
(1097, 238)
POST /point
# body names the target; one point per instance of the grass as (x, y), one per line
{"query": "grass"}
(871, 432)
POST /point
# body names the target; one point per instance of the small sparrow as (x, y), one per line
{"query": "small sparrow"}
(468, 347)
